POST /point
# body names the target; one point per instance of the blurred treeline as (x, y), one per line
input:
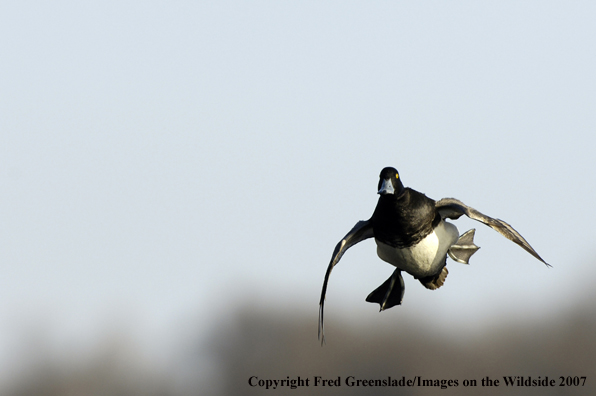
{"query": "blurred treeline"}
(271, 344)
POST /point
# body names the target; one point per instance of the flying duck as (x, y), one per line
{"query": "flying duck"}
(413, 235)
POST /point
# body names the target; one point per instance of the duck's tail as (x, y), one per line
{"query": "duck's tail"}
(434, 282)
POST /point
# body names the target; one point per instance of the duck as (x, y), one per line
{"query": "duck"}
(412, 233)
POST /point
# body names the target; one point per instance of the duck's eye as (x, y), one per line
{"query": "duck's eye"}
(397, 175)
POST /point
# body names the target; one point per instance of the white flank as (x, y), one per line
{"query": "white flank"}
(424, 258)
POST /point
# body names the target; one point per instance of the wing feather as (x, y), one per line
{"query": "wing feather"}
(452, 208)
(361, 231)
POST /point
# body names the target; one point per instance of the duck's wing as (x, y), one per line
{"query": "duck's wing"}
(452, 208)
(361, 231)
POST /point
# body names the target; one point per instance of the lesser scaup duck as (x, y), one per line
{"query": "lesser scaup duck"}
(411, 234)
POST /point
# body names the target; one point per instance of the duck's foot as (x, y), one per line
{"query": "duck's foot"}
(464, 248)
(390, 293)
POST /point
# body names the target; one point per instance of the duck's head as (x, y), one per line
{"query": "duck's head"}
(390, 182)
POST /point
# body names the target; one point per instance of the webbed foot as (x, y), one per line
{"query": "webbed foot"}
(464, 248)
(390, 293)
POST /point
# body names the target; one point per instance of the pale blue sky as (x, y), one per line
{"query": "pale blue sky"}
(164, 162)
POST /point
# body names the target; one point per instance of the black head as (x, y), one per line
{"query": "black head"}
(390, 182)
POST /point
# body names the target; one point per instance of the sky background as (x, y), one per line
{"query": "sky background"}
(163, 164)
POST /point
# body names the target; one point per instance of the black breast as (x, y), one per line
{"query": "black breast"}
(405, 220)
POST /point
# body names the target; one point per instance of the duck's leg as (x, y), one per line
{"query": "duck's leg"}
(390, 293)
(464, 248)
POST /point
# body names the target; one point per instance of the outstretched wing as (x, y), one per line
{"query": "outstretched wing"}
(452, 208)
(361, 231)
